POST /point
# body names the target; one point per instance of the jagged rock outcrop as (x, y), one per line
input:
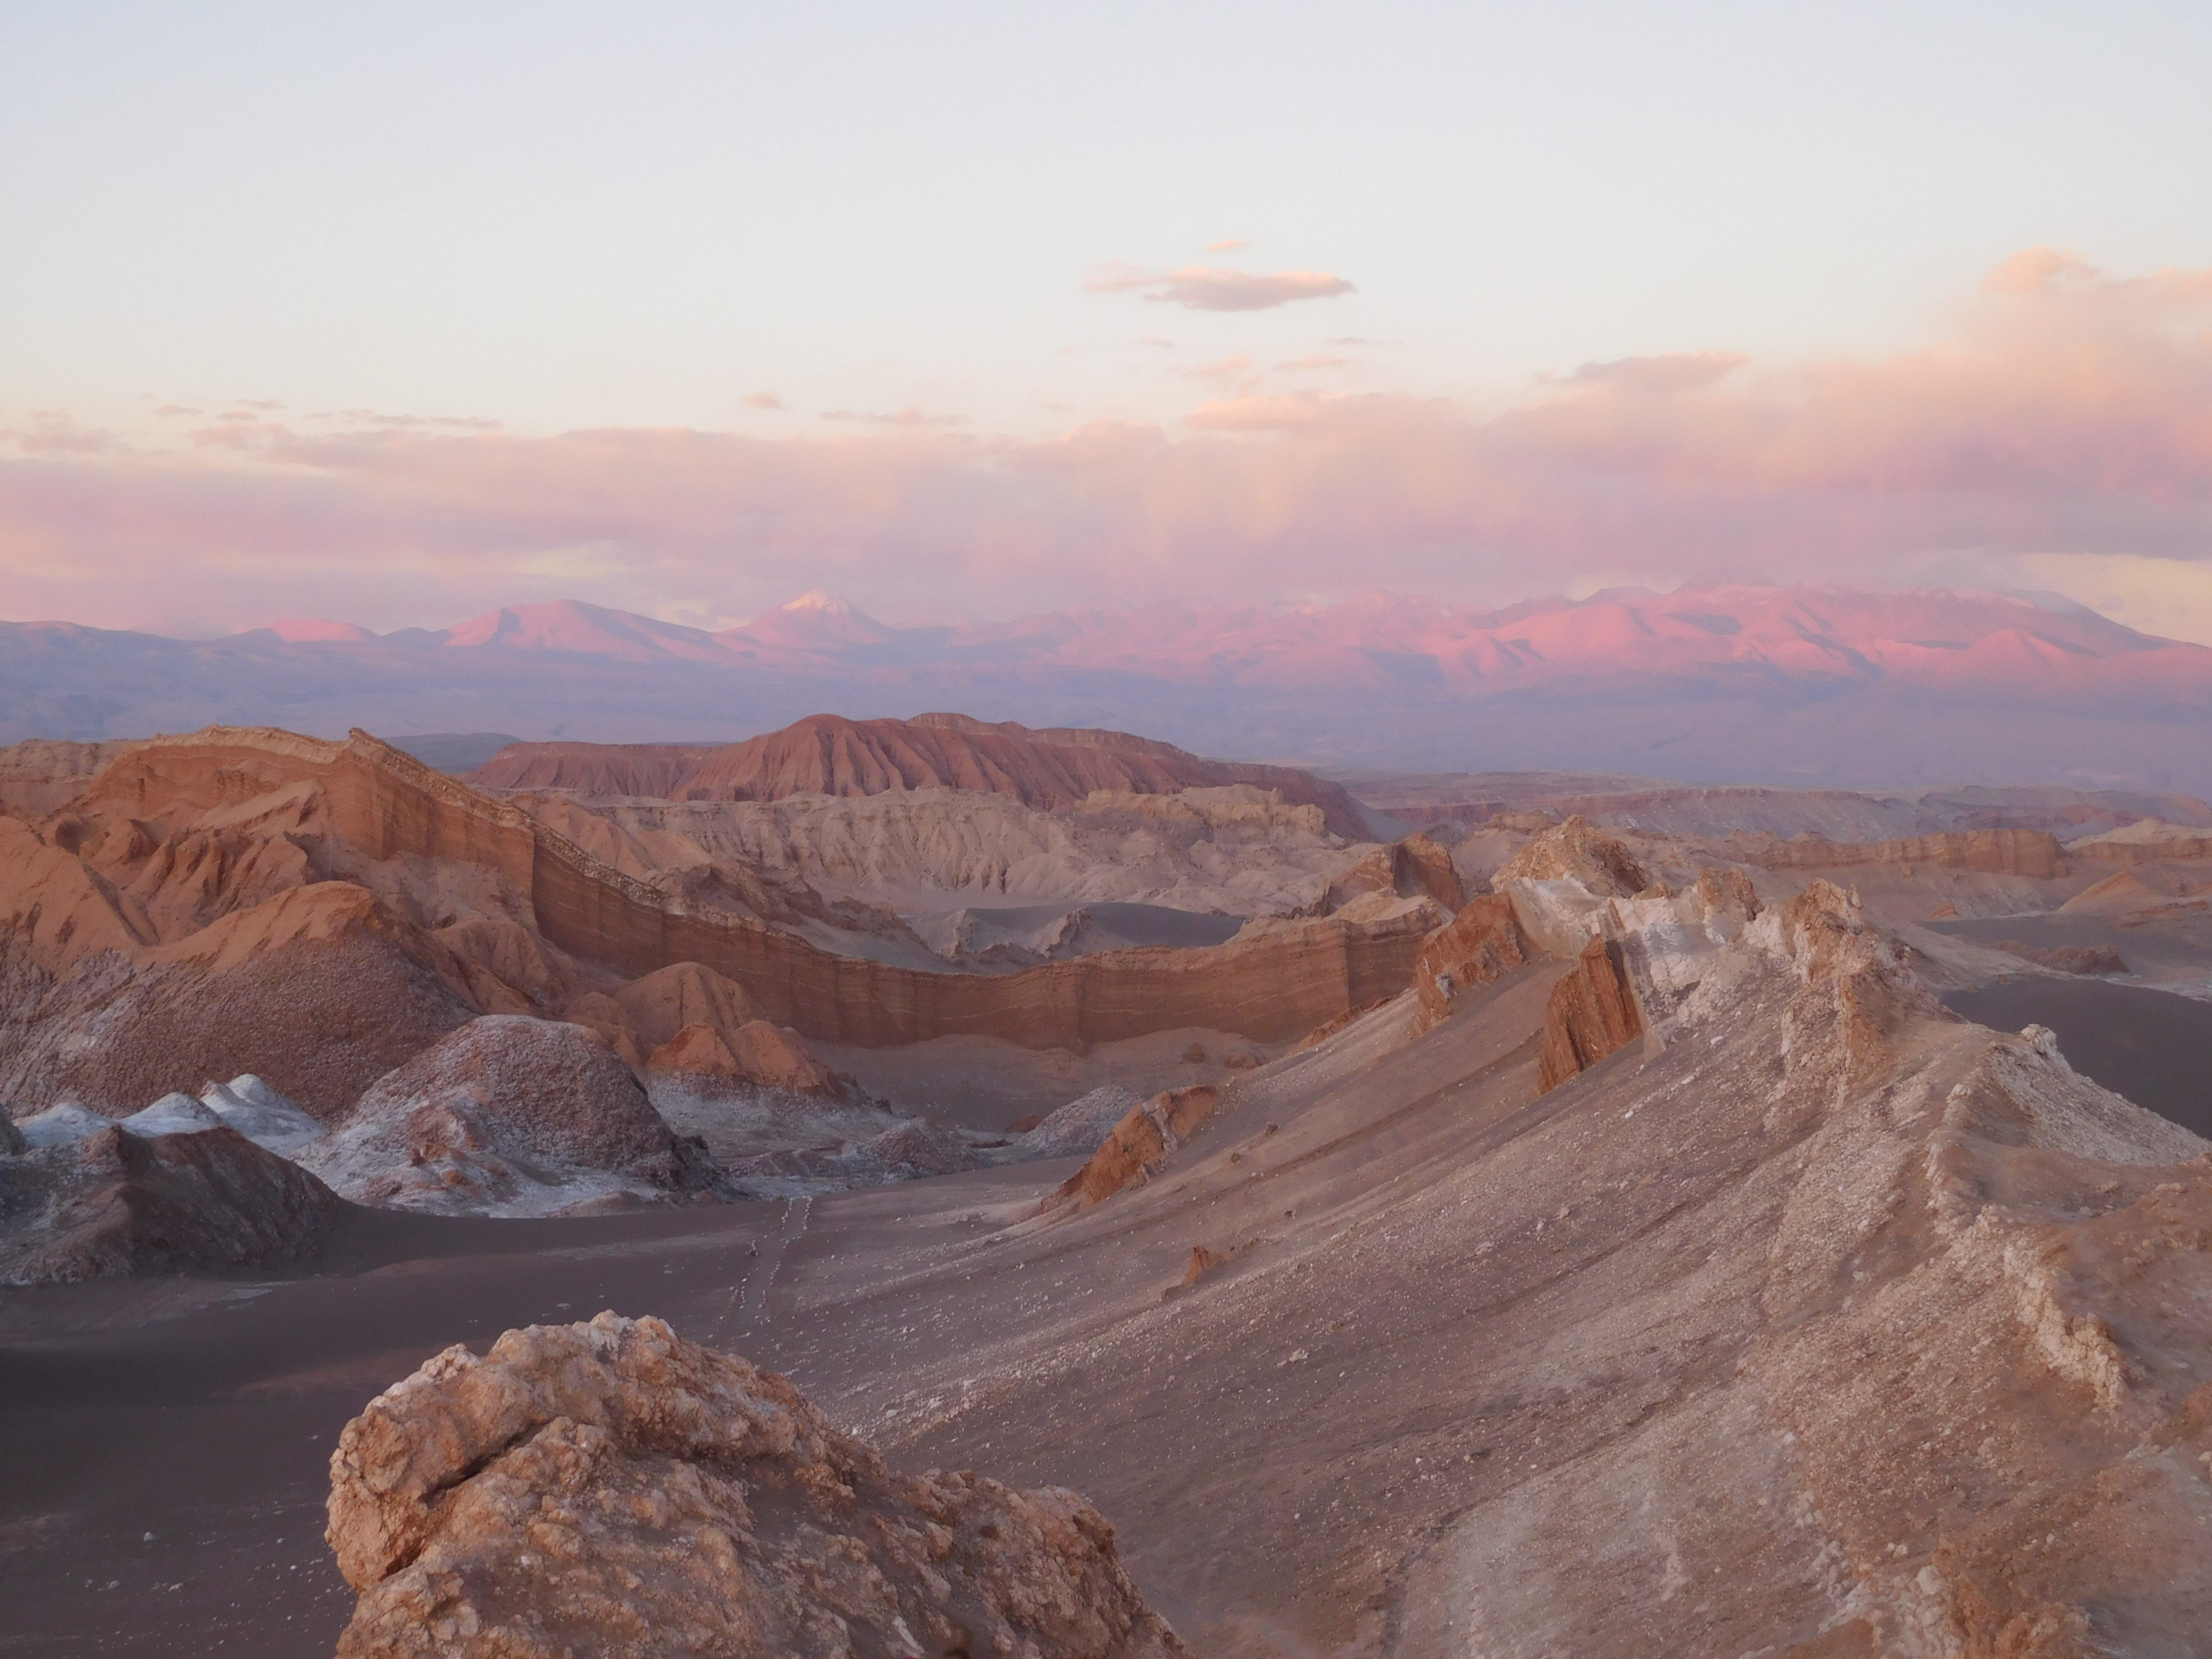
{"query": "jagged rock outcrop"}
(1477, 947)
(1560, 882)
(1592, 1013)
(1138, 1147)
(114, 1204)
(509, 1114)
(830, 755)
(610, 1488)
(1415, 866)
(1990, 852)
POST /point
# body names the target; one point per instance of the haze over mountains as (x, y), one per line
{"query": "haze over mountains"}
(1796, 685)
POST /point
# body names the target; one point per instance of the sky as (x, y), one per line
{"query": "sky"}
(396, 313)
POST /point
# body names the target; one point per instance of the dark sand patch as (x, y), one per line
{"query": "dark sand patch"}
(2155, 1047)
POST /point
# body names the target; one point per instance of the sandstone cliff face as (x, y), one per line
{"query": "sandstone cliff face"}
(610, 1488)
(828, 755)
(115, 1204)
(1592, 1013)
(1480, 945)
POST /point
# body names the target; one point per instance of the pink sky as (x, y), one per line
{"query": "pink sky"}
(2057, 435)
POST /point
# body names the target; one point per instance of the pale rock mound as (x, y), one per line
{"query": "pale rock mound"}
(112, 1204)
(610, 1488)
(508, 1116)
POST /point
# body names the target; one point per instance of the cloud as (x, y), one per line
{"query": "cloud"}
(1223, 368)
(1681, 371)
(1207, 288)
(56, 432)
(1257, 414)
(178, 409)
(766, 400)
(1228, 245)
(2064, 424)
(1315, 363)
(906, 417)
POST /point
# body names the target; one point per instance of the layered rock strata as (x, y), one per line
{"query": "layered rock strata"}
(1592, 1013)
(1990, 852)
(1477, 947)
(367, 809)
(610, 1488)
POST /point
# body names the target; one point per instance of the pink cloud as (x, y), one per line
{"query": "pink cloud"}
(2067, 414)
(1228, 245)
(1206, 287)
(766, 400)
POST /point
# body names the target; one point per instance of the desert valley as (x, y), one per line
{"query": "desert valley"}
(976, 831)
(1395, 1208)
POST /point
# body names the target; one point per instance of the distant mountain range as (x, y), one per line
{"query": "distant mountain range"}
(1795, 685)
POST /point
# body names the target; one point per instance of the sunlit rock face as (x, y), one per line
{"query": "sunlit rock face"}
(609, 1487)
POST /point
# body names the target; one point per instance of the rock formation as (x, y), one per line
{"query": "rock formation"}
(830, 755)
(1559, 883)
(40, 774)
(114, 1204)
(509, 1114)
(1138, 1147)
(610, 1488)
(225, 853)
(1592, 1013)
(2067, 958)
(1992, 851)
(1478, 946)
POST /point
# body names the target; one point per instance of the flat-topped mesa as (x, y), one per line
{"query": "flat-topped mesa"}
(830, 755)
(610, 1488)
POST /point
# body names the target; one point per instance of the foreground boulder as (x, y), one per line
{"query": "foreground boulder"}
(610, 1488)
(113, 1204)
(509, 1115)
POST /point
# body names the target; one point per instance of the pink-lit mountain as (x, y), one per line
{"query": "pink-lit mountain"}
(1780, 684)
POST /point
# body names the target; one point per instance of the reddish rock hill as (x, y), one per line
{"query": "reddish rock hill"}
(830, 755)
